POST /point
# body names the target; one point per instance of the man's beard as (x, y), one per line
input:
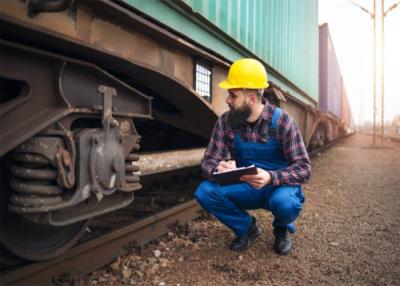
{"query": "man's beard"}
(238, 116)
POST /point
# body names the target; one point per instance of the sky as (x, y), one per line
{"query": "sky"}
(352, 34)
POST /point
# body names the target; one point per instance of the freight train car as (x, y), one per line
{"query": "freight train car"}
(86, 84)
(332, 91)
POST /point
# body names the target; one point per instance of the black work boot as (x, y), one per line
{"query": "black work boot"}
(240, 244)
(282, 245)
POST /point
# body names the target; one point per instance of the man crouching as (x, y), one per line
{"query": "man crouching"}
(259, 134)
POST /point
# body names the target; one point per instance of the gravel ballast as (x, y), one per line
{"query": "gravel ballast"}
(347, 234)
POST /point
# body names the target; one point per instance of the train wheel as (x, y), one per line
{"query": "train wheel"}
(34, 241)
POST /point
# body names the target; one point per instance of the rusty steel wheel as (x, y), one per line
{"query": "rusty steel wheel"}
(34, 241)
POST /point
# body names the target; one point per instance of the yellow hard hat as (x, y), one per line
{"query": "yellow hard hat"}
(246, 73)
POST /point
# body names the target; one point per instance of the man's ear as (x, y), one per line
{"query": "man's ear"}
(252, 98)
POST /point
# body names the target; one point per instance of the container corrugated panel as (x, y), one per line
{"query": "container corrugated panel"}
(282, 33)
(346, 115)
(330, 79)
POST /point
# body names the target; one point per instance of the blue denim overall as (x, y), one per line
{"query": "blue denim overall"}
(228, 203)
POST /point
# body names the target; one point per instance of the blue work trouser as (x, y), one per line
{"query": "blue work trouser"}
(228, 204)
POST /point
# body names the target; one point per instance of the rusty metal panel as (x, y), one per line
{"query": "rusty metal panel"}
(329, 74)
(219, 98)
(55, 90)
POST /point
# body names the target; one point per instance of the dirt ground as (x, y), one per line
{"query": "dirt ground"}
(348, 234)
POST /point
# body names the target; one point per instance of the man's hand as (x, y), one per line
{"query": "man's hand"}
(226, 166)
(258, 180)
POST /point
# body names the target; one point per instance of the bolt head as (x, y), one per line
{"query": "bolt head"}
(71, 178)
(116, 165)
(95, 140)
(66, 158)
(113, 123)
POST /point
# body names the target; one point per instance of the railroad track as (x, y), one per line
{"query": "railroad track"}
(99, 251)
(321, 149)
(392, 138)
(165, 200)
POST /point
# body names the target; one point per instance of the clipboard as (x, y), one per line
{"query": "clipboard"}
(233, 176)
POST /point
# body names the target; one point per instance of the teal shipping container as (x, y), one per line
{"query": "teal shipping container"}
(281, 33)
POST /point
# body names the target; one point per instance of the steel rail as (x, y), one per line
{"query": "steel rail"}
(91, 255)
(394, 138)
(327, 146)
(391, 138)
(322, 149)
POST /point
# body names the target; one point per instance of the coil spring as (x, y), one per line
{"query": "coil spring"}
(130, 167)
(34, 181)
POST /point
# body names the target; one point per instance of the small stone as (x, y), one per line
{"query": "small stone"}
(157, 253)
(126, 274)
(152, 260)
(334, 243)
(163, 260)
(180, 259)
(142, 266)
(135, 257)
(161, 284)
(114, 266)
(139, 274)
(240, 257)
(150, 272)
(180, 242)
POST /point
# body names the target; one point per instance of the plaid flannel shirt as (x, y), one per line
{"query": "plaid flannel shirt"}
(288, 136)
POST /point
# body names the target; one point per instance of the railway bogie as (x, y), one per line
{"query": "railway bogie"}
(68, 148)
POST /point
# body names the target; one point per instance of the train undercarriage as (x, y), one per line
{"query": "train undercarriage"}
(69, 141)
(68, 152)
(82, 93)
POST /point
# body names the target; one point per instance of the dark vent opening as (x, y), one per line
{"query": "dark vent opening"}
(87, 123)
(11, 89)
(158, 136)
